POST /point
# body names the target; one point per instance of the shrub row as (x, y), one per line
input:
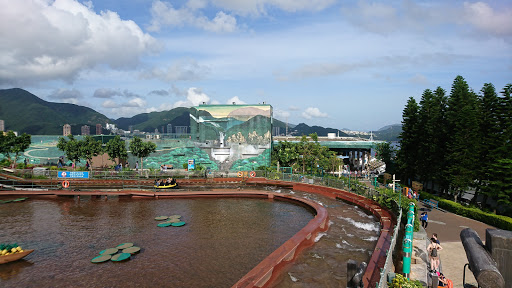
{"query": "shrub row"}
(498, 221)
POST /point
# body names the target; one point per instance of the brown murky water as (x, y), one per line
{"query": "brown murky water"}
(223, 239)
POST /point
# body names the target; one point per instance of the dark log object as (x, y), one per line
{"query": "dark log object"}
(484, 268)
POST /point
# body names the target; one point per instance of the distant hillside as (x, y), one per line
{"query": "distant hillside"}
(304, 129)
(148, 122)
(26, 113)
(388, 133)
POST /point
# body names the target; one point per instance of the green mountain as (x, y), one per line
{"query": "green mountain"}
(148, 122)
(304, 129)
(388, 133)
(26, 113)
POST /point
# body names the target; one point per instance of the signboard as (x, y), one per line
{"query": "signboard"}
(191, 164)
(73, 174)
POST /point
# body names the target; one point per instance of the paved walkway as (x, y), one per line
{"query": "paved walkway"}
(453, 257)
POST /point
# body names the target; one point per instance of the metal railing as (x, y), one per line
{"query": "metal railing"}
(347, 184)
(383, 283)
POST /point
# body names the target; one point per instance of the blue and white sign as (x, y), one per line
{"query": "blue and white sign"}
(73, 174)
(191, 164)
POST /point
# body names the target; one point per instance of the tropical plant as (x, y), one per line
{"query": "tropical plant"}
(71, 147)
(141, 149)
(90, 148)
(116, 149)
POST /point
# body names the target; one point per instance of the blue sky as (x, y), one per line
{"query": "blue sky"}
(340, 64)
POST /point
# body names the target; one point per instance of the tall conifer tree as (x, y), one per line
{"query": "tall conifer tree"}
(491, 138)
(409, 141)
(462, 120)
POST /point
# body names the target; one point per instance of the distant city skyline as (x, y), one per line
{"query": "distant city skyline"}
(339, 64)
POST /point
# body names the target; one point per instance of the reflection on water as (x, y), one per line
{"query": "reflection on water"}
(11, 269)
(222, 241)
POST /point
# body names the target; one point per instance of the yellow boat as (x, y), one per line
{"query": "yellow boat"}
(13, 257)
(171, 186)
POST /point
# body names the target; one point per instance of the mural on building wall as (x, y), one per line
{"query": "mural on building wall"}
(223, 137)
(236, 137)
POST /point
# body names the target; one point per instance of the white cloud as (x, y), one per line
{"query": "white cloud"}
(261, 7)
(126, 109)
(391, 17)
(484, 18)
(419, 79)
(235, 100)
(194, 97)
(165, 15)
(160, 92)
(293, 108)
(109, 104)
(180, 70)
(66, 95)
(281, 114)
(313, 112)
(106, 93)
(56, 40)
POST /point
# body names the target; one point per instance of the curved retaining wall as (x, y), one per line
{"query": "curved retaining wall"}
(266, 271)
(387, 221)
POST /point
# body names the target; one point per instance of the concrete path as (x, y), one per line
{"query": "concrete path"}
(453, 257)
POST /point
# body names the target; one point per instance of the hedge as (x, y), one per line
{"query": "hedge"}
(498, 221)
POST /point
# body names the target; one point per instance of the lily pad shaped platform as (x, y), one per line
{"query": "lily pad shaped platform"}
(109, 251)
(161, 218)
(124, 246)
(175, 216)
(165, 224)
(172, 220)
(132, 250)
(178, 224)
(120, 257)
(101, 258)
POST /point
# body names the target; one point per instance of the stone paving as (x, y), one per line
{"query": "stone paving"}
(453, 257)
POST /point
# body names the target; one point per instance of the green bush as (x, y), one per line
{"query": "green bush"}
(498, 221)
(401, 282)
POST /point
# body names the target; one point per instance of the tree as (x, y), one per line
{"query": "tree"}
(6, 143)
(409, 141)
(90, 148)
(116, 148)
(386, 153)
(141, 149)
(501, 186)
(21, 143)
(431, 135)
(71, 147)
(462, 119)
(491, 138)
(286, 154)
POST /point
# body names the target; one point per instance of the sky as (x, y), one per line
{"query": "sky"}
(340, 64)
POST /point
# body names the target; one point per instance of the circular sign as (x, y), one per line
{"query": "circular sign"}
(64, 174)
(240, 174)
(65, 183)
(253, 174)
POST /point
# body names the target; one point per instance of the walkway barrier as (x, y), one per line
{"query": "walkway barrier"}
(129, 181)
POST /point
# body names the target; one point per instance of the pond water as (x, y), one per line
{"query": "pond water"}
(224, 238)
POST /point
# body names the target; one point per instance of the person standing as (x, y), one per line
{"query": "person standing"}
(433, 251)
(424, 220)
(137, 166)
